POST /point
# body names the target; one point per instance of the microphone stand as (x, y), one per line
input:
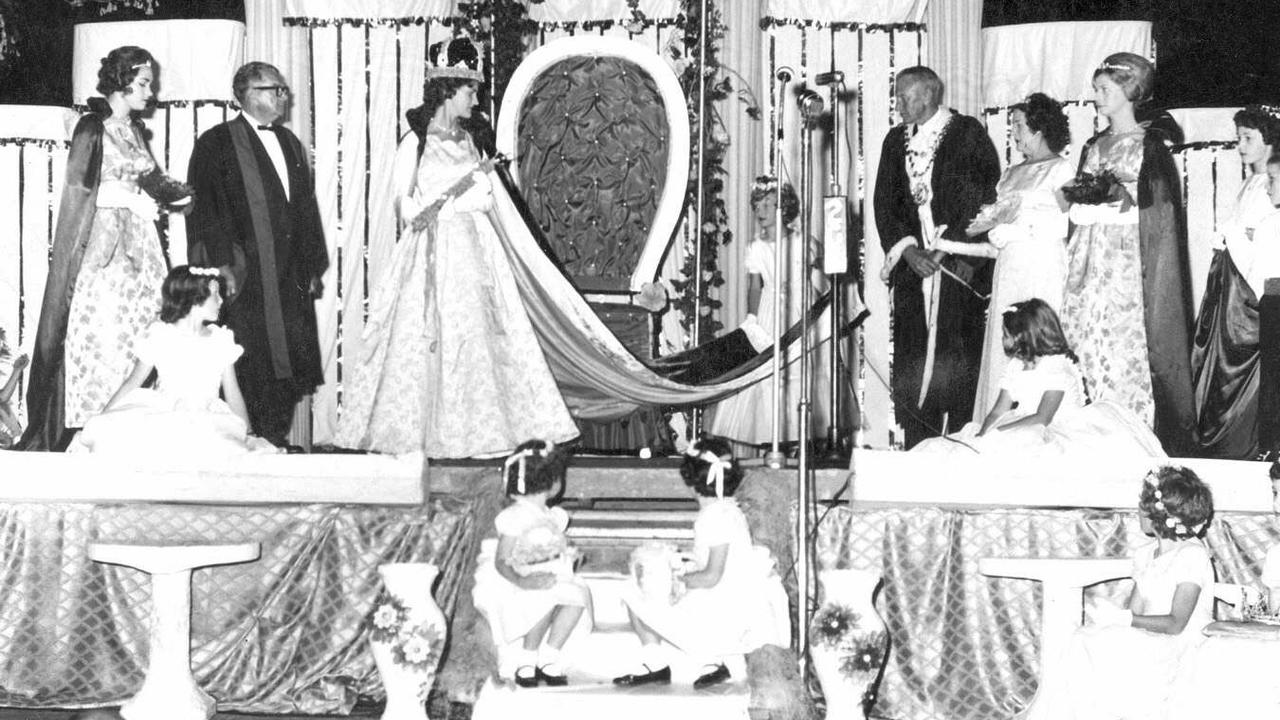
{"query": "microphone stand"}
(809, 111)
(834, 449)
(775, 458)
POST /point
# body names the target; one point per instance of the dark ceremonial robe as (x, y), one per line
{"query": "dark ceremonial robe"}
(965, 171)
(1166, 291)
(46, 411)
(272, 314)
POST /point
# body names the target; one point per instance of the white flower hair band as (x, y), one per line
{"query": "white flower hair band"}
(204, 271)
(520, 458)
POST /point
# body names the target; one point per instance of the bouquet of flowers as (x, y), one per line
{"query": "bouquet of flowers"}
(1100, 189)
(542, 550)
(165, 190)
(997, 213)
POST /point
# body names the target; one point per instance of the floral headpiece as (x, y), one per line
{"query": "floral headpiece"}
(1009, 310)
(1172, 521)
(716, 467)
(519, 459)
(456, 58)
(1112, 66)
(764, 184)
(1272, 111)
(204, 271)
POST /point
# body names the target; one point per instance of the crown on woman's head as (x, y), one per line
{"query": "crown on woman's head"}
(456, 58)
(764, 184)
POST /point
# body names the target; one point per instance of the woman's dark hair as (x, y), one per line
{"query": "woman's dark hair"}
(1257, 118)
(763, 188)
(1178, 502)
(1044, 115)
(544, 463)
(1133, 73)
(183, 290)
(695, 467)
(1032, 330)
(120, 67)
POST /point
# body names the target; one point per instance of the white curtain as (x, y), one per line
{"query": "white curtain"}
(955, 51)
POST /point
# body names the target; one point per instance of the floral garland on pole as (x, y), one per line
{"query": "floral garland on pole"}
(713, 229)
(109, 6)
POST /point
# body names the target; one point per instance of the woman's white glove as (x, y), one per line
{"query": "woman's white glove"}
(478, 197)
(116, 195)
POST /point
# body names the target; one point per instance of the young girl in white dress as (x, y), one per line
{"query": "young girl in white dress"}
(183, 417)
(724, 611)
(1127, 670)
(1041, 408)
(531, 580)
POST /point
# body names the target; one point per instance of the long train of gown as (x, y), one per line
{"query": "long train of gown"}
(461, 371)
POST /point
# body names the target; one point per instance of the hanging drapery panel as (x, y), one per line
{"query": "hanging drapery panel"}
(196, 59)
(33, 159)
(869, 53)
(366, 65)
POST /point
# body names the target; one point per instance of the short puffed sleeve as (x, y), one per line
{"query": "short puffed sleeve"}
(224, 342)
(1191, 564)
(1057, 372)
(759, 257)
(1012, 374)
(717, 524)
(150, 345)
(513, 520)
(559, 518)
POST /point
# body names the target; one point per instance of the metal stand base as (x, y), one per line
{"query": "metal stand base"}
(775, 459)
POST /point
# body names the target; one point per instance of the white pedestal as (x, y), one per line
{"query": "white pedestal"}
(169, 691)
(1064, 581)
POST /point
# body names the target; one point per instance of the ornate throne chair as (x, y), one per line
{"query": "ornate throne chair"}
(597, 132)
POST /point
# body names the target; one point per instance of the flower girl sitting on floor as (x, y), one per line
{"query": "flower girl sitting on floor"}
(183, 416)
(1126, 670)
(530, 584)
(1041, 408)
(725, 600)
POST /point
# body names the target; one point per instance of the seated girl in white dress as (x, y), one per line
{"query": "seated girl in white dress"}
(183, 417)
(1127, 669)
(1041, 408)
(724, 611)
(530, 582)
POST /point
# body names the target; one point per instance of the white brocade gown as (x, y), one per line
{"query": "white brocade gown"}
(117, 292)
(450, 364)
(183, 417)
(1032, 259)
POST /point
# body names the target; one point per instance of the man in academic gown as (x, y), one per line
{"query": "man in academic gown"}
(256, 219)
(936, 169)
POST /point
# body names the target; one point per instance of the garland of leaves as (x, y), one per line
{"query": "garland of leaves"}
(712, 229)
(502, 26)
(110, 6)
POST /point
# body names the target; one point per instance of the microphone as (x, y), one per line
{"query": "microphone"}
(826, 78)
(783, 74)
(810, 102)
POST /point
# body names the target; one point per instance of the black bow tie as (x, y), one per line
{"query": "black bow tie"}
(272, 128)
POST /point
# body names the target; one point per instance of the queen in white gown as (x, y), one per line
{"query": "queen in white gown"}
(450, 364)
(1026, 231)
(184, 417)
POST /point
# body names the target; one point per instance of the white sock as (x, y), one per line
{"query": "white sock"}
(526, 658)
(653, 656)
(549, 660)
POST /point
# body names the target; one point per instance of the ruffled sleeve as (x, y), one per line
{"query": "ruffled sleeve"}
(513, 521)
(149, 347)
(715, 525)
(225, 342)
(1190, 564)
(758, 258)
(1012, 374)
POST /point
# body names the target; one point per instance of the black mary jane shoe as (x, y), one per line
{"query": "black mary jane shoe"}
(527, 681)
(550, 680)
(661, 676)
(715, 677)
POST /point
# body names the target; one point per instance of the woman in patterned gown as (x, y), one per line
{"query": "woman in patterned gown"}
(1127, 305)
(450, 363)
(107, 266)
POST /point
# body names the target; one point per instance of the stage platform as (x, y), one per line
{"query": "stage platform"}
(287, 634)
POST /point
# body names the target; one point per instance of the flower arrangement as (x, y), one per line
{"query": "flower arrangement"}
(835, 627)
(414, 646)
(542, 549)
(165, 190)
(1097, 189)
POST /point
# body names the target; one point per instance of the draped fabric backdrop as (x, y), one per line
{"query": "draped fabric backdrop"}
(33, 159)
(870, 43)
(955, 51)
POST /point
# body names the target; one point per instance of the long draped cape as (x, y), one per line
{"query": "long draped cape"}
(1225, 364)
(1166, 291)
(46, 412)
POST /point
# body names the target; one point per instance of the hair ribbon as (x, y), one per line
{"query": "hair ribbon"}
(716, 467)
(520, 458)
